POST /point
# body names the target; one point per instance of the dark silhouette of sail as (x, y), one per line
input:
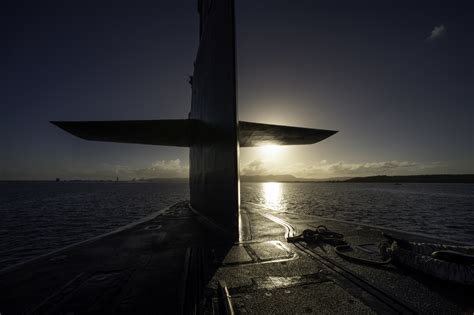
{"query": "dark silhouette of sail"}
(212, 131)
(214, 171)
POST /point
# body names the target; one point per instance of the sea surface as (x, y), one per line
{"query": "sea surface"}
(38, 217)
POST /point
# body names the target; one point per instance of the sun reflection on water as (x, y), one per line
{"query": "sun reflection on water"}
(272, 194)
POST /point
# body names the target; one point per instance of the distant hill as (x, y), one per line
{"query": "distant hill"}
(135, 180)
(268, 178)
(440, 178)
(163, 179)
(465, 178)
(287, 178)
(443, 178)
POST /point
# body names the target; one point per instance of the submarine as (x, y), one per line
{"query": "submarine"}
(216, 255)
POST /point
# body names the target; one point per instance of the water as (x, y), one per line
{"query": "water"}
(39, 217)
(443, 211)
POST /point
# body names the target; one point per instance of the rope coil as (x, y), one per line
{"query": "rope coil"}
(323, 234)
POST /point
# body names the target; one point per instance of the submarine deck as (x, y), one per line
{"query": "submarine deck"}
(175, 261)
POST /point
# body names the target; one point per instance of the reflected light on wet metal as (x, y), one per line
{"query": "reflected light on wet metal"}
(272, 194)
(241, 232)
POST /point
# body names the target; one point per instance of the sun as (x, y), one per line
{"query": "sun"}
(270, 151)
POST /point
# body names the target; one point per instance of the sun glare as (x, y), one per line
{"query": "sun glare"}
(272, 194)
(270, 150)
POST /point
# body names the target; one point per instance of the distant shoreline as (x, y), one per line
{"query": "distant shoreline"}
(439, 178)
(152, 180)
(465, 178)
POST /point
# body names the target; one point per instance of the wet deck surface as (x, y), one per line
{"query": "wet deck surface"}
(141, 269)
(315, 279)
(172, 262)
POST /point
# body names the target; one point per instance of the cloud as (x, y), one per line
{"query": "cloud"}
(163, 168)
(342, 169)
(158, 169)
(255, 167)
(437, 32)
(370, 168)
(177, 169)
(324, 169)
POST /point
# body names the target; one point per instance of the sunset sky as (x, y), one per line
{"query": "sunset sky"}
(396, 78)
